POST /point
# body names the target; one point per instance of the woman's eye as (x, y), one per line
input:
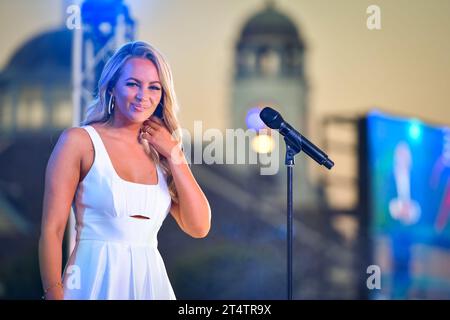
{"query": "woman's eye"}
(131, 84)
(155, 88)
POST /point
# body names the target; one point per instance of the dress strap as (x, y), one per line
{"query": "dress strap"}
(99, 148)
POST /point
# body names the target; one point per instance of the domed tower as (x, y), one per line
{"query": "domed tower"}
(38, 84)
(35, 85)
(269, 71)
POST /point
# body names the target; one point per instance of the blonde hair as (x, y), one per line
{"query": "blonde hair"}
(97, 111)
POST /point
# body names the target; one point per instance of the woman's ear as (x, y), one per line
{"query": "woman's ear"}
(110, 89)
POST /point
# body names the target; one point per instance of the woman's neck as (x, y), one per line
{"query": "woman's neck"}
(124, 130)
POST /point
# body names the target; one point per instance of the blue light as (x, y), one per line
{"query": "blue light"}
(253, 120)
(415, 129)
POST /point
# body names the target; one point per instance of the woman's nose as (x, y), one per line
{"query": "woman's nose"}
(140, 96)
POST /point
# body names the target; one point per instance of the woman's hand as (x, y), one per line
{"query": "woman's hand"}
(192, 212)
(156, 133)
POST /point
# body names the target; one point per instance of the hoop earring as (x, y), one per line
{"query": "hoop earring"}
(111, 105)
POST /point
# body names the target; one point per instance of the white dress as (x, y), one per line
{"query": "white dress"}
(115, 255)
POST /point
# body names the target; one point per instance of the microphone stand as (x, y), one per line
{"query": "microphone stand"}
(291, 151)
(295, 142)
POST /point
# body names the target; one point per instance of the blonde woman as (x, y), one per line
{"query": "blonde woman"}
(123, 171)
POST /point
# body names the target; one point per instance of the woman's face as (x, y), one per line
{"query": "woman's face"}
(137, 91)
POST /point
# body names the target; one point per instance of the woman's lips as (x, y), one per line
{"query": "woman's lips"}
(138, 108)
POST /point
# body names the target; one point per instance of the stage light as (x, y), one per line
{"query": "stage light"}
(253, 120)
(262, 143)
(415, 129)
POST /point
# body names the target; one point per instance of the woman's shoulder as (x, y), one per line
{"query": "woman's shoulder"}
(71, 146)
(74, 133)
(75, 137)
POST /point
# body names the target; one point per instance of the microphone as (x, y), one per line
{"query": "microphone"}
(274, 121)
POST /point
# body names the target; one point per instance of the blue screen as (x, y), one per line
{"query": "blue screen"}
(409, 202)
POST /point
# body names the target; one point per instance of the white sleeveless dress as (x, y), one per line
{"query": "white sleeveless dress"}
(116, 255)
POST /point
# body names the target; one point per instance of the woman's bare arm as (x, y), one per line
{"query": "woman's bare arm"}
(192, 213)
(61, 180)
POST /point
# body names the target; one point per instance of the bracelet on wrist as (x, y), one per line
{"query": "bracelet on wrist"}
(46, 290)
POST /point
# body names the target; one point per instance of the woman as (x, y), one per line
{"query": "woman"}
(122, 171)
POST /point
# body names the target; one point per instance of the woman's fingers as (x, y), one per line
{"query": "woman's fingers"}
(147, 127)
(157, 120)
(153, 121)
(151, 125)
(146, 136)
(150, 130)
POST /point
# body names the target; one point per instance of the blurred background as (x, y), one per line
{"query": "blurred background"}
(367, 81)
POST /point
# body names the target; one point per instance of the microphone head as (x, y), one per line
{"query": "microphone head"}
(271, 118)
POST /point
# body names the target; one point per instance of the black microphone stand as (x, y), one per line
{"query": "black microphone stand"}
(291, 151)
(295, 142)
